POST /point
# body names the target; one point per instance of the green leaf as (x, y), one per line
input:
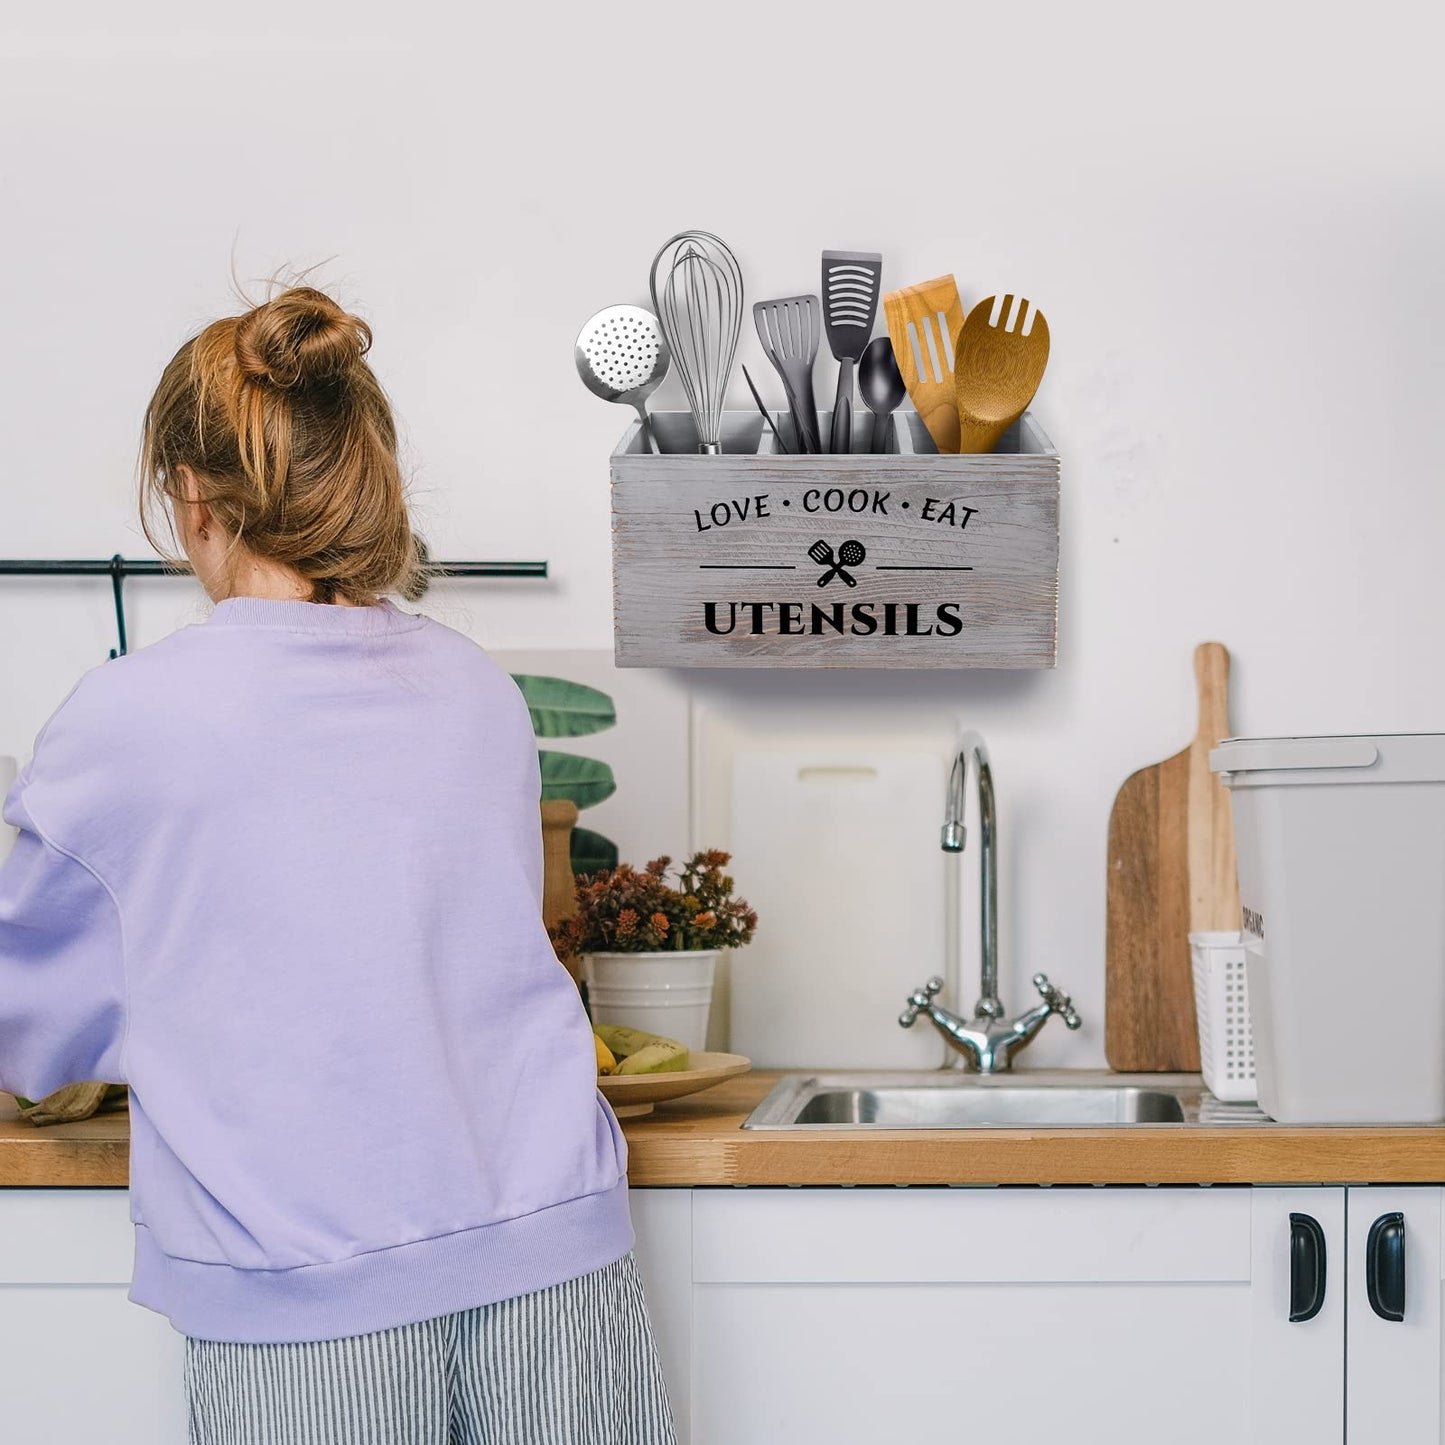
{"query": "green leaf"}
(565, 775)
(562, 709)
(591, 851)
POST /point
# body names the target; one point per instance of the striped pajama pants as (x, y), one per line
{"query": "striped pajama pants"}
(575, 1364)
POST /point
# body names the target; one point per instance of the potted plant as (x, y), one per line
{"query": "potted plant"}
(648, 948)
(570, 782)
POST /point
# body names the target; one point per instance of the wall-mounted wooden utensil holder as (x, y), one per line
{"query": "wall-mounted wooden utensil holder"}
(903, 559)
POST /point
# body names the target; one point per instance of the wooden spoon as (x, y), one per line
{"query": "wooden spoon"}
(997, 370)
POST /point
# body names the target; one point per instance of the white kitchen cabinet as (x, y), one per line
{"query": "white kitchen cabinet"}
(1297, 1366)
(1394, 1365)
(1062, 1315)
(662, 1222)
(78, 1360)
(1078, 1315)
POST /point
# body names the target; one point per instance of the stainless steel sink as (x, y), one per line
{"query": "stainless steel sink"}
(942, 1099)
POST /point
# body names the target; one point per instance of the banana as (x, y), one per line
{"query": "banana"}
(662, 1056)
(639, 1052)
(606, 1060)
(623, 1040)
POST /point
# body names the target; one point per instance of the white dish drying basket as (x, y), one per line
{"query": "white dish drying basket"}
(1221, 1001)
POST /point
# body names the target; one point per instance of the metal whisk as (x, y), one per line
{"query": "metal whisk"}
(697, 292)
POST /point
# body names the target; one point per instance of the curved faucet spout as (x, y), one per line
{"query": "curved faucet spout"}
(971, 746)
(989, 1040)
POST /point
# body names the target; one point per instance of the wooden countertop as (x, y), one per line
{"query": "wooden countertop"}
(697, 1141)
(93, 1152)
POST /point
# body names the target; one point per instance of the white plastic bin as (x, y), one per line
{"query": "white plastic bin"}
(1221, 1006)
(1341, 847)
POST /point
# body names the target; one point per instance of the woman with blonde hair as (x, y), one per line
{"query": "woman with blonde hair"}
(280, 873)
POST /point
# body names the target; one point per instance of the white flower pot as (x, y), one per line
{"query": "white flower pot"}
(665, 993)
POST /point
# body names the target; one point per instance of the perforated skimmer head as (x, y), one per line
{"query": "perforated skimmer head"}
(622, 354)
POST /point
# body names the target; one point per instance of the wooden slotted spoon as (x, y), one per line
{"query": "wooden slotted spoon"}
(923, 324)
(997, 370)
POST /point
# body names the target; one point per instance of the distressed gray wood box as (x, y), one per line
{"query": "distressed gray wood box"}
(954, 559)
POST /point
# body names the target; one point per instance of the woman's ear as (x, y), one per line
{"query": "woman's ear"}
(194, 514)
(201, 536)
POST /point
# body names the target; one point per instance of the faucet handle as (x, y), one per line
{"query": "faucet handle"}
(919, 1000)
(1058, 1001)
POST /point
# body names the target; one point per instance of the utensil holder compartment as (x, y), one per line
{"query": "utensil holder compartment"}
(862, 437)
(906, 558)
(675, 432)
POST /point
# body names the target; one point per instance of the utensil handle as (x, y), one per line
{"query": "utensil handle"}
(647, 432)
(976, 438)
(809, 409)
(841, 439)
(767, 415)
(807, 442)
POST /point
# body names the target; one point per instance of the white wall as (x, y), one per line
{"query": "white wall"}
(1232, 215)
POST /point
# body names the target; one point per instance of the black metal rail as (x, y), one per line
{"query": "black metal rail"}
(147, 567)
(118, 568)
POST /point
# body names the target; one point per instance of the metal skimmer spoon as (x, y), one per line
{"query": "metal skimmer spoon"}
(622, 356)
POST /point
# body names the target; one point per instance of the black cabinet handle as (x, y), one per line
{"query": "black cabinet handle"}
(1306, 1268)
(1385, 1266)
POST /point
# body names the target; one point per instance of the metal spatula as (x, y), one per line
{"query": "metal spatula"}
(850, 304)
(789, 329)
(924, 322)
(998, 369)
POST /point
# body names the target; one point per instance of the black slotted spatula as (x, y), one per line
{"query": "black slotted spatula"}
(850, 304)
(789, 331)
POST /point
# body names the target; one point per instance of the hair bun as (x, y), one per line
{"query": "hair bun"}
(299, 337)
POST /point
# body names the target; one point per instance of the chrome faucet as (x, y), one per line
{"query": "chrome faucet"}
(988, 1041)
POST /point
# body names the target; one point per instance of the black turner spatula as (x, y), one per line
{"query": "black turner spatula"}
(850, 304)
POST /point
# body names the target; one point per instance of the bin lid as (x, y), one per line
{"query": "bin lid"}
(1382, 758)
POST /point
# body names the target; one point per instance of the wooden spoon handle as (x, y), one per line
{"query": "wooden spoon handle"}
(975, 436)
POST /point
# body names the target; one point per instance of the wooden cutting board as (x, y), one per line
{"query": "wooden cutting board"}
(1171, 872)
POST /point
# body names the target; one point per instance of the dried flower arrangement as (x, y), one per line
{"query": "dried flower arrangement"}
(630, 910)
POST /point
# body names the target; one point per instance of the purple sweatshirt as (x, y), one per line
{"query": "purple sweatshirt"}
(281, 874)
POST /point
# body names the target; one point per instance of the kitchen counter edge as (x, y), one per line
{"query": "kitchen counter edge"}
(698, 1142)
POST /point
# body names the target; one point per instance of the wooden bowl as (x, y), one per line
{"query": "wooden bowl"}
(634, 1094)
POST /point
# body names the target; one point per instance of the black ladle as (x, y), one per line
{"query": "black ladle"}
(880, 384)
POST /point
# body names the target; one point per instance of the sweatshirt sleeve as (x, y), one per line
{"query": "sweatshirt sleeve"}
(62, 979)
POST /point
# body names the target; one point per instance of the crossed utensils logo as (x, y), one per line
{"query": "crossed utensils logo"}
(850, 554)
